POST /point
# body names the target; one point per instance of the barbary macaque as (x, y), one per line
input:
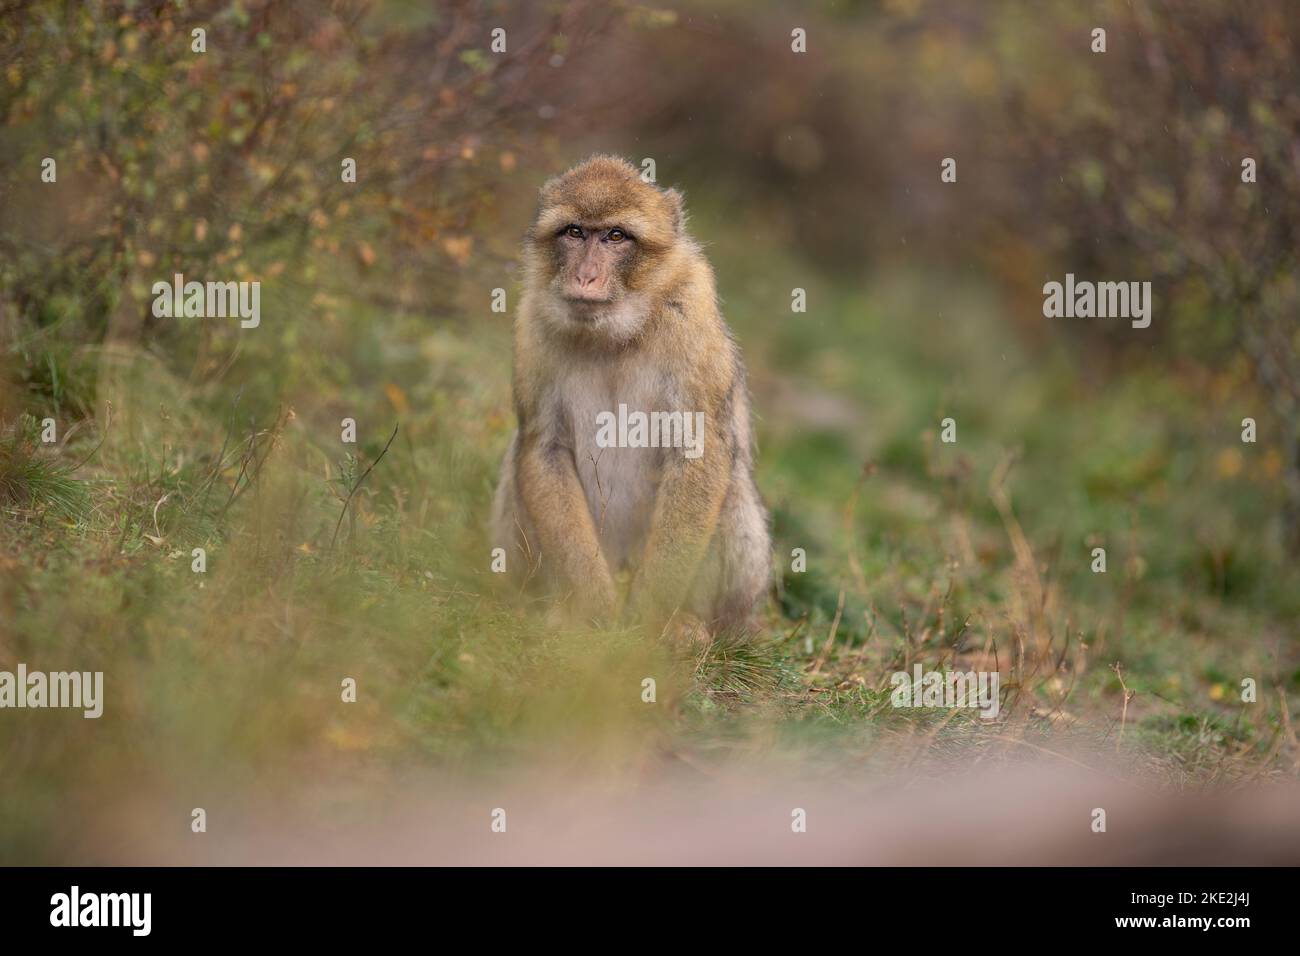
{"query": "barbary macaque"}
(633, 450)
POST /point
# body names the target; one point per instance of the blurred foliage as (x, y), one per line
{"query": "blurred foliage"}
(228, 163)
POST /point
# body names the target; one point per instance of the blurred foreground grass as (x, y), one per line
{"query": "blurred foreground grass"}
(974, 554)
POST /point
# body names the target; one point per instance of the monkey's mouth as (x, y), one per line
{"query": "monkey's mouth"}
(588, 297)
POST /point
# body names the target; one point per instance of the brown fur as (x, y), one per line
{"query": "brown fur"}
(693, 532)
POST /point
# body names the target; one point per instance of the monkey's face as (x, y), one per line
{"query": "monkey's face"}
(593, 263)
(602, 242)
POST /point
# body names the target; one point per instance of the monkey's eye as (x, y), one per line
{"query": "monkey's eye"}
(573, 232)
(616, 235)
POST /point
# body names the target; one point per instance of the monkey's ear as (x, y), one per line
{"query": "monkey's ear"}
(546, 194)
(677, 207)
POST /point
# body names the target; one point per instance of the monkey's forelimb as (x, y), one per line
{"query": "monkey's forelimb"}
(685, 518)
(549, 490)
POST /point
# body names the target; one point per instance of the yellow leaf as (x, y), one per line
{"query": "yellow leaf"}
(459, 248)
(1272, 464)
(398, 398)
(1228, 463)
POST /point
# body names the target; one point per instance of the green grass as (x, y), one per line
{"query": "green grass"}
(30, 481)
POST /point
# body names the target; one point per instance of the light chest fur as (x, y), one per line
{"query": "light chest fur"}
(618, 483)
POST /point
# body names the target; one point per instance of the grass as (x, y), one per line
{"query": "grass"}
(973, 554)
(32, 482)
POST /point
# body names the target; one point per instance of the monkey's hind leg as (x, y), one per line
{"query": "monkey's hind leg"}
(738, 572)
(511, 529)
